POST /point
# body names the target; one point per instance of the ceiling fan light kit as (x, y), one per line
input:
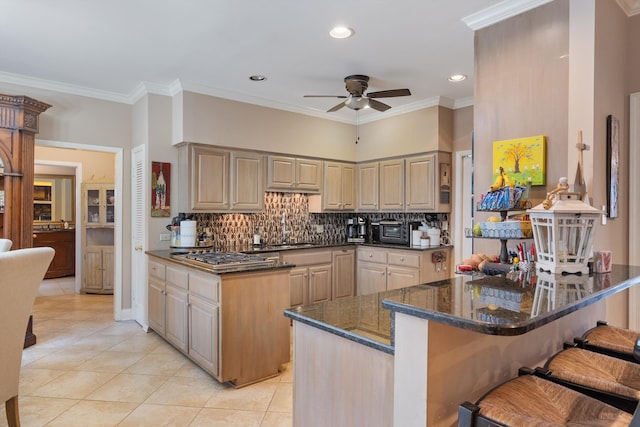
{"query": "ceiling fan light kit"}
(356, 85)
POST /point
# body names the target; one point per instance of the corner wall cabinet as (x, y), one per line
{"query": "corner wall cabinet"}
(98, 221)
(339, 187)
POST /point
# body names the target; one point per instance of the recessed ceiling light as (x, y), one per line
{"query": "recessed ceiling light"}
(257, 78)
(457, 78)
(341, 32)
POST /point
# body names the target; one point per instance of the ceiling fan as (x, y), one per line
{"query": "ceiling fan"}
(356, 85)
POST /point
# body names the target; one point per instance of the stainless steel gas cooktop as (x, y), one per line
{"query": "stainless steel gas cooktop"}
(223, 261)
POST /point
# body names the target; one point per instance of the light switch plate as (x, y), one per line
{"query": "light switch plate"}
(165, 237)
(319, 228)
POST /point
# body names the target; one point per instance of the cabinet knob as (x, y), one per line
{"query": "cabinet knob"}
(370, 255)
(383, 273)
(35, 235)
(401, 258)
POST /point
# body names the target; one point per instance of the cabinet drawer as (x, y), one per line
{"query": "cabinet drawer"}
(308, 257)
(372, 255)
(156, 270)
(177, 277)
(205, 285)
(403, 259)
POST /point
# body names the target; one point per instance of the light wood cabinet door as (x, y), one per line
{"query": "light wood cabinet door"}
(155, 304)
(298, 285)
(420, 185)
(401, 277)
(247, 181)
(371, 278)
(208, 178)
(308, 174)
(204, 338)
(339, 186)
(392, 185)
(92, 269)
(293, 174)
(108, 267)
(367, 180)
(176, 317)
(319, 283)
(343, 273)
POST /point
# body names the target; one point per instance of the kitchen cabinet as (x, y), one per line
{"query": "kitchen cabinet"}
(230, 325)
(310, 281)
(427, 182)
(219, 180)
(338, 193)
(98, 204)
(247, 181)
(392, 185)
(344, 280)
(383, 269)
(293, 174)
(367, 183)
(97, 270)
(176, 285)
(64, 243)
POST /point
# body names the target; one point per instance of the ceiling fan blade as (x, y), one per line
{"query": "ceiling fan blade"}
(336, 108)
(324, 96)
(377, 105)
(389, 93)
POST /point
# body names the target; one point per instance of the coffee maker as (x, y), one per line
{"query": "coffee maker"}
(356, 230)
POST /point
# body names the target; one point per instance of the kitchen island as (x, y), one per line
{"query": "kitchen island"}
(409, 357)
(226, 318)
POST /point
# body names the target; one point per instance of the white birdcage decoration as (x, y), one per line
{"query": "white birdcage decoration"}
(563, 229)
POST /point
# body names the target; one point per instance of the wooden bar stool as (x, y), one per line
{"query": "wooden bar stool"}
(609, 379)
(611, 340)
(532, 401)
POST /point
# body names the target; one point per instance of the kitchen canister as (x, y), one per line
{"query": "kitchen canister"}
(416, 235)
(434, 236)
(188, 233)
(424, 242)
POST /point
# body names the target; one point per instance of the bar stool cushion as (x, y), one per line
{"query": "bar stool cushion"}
(596, 370)
(613, 338)
(534, 402)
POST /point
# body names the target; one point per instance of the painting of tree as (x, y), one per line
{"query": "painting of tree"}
(523, 159)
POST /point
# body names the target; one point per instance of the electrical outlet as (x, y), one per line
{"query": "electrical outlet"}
(165, 237)
(319, 228)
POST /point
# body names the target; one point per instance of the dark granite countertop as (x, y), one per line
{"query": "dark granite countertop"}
(495, 305)
(294, 246)
(165, 255)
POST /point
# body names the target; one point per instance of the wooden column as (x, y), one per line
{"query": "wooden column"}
(18, 126)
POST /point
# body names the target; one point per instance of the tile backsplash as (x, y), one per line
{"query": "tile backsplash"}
(231, 230)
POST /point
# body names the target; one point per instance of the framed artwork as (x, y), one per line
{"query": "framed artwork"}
(613, 132)
(160, 189)
(522, 159)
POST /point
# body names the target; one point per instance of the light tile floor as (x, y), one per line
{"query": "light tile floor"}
(88, 370)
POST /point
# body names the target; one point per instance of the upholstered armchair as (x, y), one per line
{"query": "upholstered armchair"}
(21, 272)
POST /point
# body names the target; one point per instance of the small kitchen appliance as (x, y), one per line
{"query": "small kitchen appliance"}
(183, 231)
(395, 232)
(354, 226)
(363, 228)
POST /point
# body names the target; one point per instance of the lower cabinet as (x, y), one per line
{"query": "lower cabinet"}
(344, 273)
(64, 243)
(383, 269)
(97, 270)
(187, 307)
(310, 279)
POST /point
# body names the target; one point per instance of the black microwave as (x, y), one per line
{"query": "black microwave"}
(393, 232)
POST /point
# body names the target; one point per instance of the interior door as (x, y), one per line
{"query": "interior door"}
(464, 205)
(138, 227)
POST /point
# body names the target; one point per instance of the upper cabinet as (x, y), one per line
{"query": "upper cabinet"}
(339, 187)
(368, 181)
(414, 183)
(392, 185)
(213, 179)
(293, 174)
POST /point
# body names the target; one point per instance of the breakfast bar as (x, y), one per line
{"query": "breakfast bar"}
(409, 357)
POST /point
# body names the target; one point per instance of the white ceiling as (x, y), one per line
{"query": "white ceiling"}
(120, 49)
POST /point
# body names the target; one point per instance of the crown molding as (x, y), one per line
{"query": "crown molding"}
(630, 7)
(177, 86)
(500, 11)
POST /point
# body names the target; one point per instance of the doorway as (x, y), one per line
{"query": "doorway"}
(463, 205)
(78, 150)
(634, 204)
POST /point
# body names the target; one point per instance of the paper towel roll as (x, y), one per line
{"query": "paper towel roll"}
(415, 237)
(188, 233)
